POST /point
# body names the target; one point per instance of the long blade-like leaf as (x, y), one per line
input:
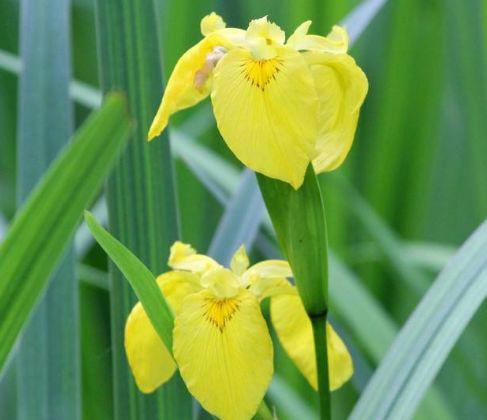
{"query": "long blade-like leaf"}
(425, 341)
(140, 194)
(140, 278)
(48, 369)
(49, 217)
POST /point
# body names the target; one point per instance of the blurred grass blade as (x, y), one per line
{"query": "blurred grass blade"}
(80, 92)
(424, 342)
(349, 301)
(289, 401)
(140, 278)
(359, 18)
(52, 211)
(141, 200)
(240, 223)
(385, 238)
(48, 368)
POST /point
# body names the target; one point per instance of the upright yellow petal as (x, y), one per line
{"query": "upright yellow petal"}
(224, 353)
(240, 261)
(150, 361)
(211, 23)
(341, 87)
(266, 111)
(184, 257)
(295, 333)
(190, 81)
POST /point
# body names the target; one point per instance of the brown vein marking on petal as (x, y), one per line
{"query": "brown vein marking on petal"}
(220, 311)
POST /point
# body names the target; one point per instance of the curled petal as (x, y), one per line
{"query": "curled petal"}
(336, 42)
(341, 86)
(224, 353)
(295, 333)
(266, 111)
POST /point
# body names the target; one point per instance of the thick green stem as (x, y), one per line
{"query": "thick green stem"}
(319, 333)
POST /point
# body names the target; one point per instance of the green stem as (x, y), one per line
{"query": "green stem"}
(319, 333)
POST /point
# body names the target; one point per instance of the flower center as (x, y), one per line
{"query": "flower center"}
(261, 72)
(220, 311)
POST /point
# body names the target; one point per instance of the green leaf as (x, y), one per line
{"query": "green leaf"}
(140, 278)
(52, 212)
(48, 368)
(140, 194)
(426, 339)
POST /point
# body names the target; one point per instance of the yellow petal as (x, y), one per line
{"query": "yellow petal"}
(341, 87)
(150, 361)
(295, 333)
(222, 282)
(176, 285)
(270, 268)
(191, 79)
(184, 257)
(240, 261)
(211, 23)
(336, 42)
(264, 287)
(266, 111)
(224, 353)
(263, 37)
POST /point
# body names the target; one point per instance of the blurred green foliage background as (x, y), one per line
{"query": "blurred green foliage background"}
(418, 170)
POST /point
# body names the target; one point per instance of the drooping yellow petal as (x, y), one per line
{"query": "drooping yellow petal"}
(266, 111)
(336, 42)
(240, 261)
(295, 333)
(150, 361)
(191, 79)
(224, 353)
(184, 257)
(341, 87)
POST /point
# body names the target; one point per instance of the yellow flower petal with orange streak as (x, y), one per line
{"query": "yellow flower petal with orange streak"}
(295, 333)
(191, 79)
(224, 353)
(266, 111)
(342, 87)
(149, 359)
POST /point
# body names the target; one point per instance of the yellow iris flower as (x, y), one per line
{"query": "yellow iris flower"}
(221, 343)
(278, 105)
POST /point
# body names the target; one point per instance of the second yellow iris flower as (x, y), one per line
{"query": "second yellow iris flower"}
(221, 343)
